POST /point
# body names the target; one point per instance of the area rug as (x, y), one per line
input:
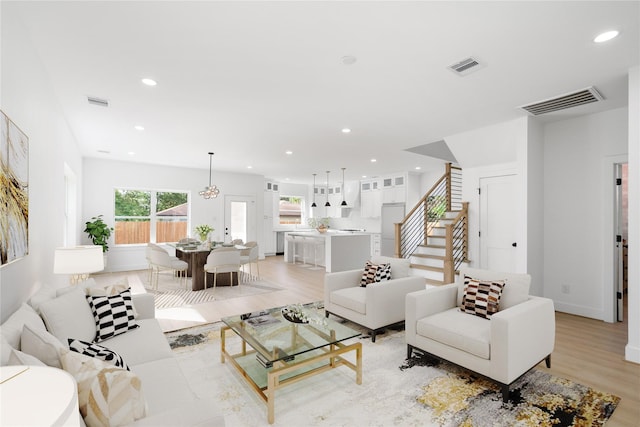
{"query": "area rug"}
(171, 292)
(394, 391)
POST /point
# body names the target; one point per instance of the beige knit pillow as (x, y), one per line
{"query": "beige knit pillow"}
(107, 395)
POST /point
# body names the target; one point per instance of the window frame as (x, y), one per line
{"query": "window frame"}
(152, 217)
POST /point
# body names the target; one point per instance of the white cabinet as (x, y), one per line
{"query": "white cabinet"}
(394, 189)
(370, 198)
(271, 218)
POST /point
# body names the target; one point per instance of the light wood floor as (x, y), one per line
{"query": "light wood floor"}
(587, 351)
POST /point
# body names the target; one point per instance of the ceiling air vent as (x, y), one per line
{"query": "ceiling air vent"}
(581, 97)
(465, 66)
(97, 101)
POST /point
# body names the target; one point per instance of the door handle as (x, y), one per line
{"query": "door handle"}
(514, 244)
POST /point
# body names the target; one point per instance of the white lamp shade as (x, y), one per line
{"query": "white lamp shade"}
(78, 260)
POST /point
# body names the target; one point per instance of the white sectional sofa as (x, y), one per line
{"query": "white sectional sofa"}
(168, 399)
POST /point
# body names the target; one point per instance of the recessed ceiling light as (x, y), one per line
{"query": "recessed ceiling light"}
(131, 153)
(138, 127)
(373, 160)
(346, 130)
(364, 176)
(606, 36)
(418, 168)
(249, 167)
(289, 152)
(149, 82)
(349, 60)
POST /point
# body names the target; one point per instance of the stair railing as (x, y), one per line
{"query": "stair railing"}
(456, 243)
(445, 195)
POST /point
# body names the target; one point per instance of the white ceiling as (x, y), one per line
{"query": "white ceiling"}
(250, 80)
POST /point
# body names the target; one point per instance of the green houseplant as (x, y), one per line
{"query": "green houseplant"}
(99, 232)
(203, 231)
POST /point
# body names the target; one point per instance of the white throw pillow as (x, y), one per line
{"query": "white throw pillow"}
(45, 293)
(5, 350)
(107, 396)
(17, 357)
(12, 328)
(69, 316)
(42, 345)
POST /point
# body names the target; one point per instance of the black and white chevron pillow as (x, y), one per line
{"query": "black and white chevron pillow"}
(113, 314)
(97, 351)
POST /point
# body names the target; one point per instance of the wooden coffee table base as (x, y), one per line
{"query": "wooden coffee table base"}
(332, 355)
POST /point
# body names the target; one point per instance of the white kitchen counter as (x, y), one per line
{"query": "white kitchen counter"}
(343, 250)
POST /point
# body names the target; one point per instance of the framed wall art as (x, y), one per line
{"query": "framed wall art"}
(14, 192)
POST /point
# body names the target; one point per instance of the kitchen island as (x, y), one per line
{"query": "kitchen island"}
(335, 250)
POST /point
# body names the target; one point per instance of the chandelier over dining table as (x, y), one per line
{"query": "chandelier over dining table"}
(210, 191)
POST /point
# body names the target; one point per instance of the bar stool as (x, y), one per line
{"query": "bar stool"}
(293, 240)
(316, 243)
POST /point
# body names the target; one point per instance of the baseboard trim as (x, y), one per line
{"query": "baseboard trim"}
(632, 353)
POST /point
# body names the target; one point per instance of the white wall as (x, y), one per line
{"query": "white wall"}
(535, 202)
(632, 350)
(29, 100)
(101, 177)
(574, 183)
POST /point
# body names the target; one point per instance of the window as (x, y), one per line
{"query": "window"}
(144, 216)
(290, 211)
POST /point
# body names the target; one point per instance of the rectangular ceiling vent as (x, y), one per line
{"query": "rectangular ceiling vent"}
(97, 101)
(581, 97)
(465, 66)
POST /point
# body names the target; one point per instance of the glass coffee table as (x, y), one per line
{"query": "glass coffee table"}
(284, 351)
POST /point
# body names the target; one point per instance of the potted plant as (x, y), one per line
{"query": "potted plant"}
(99, 232)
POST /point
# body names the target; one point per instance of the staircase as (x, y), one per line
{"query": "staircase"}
(434, 235)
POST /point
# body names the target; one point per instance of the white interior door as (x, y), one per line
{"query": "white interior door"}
(498, 232)
(239, 218)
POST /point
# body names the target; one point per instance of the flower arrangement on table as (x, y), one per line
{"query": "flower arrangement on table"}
(296, 313)
(203, 231)
(320, 224)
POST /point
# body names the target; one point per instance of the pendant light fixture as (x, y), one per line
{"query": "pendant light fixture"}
(210, 192)
(313, 205)
(344, 202)
(327, 191)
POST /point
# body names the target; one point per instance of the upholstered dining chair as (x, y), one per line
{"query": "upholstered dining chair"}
(159, 260)
(250, 256)
(222, 261)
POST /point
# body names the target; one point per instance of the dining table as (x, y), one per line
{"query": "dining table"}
(196, 258)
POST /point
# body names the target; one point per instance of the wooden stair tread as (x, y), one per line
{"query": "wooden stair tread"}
(428, 268)
(439, 257)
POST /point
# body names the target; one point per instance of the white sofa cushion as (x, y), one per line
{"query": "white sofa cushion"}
(164, 384)
(11, 329)
(353, 298)
(69, 316)
(42, 345)
(400, 267)
(457, 329)
(147, 343)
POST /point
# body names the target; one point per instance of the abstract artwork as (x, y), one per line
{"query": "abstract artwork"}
(14, 192)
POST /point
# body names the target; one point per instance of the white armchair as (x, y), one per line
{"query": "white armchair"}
(375, 306)
(503, 348)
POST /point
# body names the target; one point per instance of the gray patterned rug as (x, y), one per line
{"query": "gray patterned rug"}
(394, 391)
